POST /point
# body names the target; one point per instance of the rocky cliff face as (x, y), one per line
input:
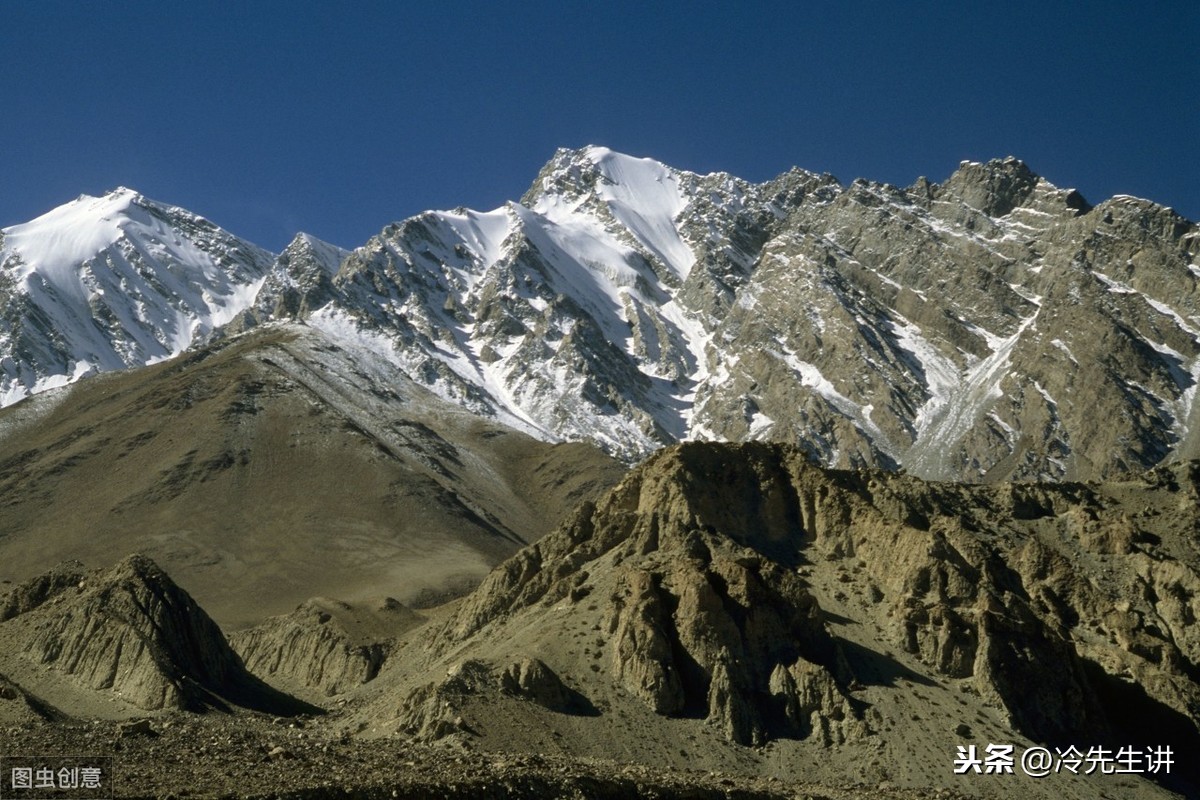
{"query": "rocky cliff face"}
(696, 621)
(712, 574)
(992, 327)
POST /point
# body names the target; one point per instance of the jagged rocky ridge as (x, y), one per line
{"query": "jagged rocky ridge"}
(322, 645)
(992, 326)
(697, 618)
(712, 574)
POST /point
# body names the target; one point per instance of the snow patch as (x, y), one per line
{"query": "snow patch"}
(759, 424)
(1061, 345)
(812, 378)
(343, 329)
(941, 374)
(1166, 310)
(969, 401)
(1114, 286)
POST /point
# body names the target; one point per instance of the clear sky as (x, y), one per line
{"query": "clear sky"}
(338, 118)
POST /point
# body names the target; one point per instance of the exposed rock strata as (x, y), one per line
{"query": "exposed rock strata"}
(131, 631)
(1044, 600)
(318, 646)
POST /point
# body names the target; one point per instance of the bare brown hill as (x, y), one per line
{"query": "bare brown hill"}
(275, 466)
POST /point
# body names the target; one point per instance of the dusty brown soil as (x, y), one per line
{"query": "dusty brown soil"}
(253, 756)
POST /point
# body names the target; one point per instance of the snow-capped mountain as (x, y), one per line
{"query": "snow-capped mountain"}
(991, 326)
(111, 282)
(581, 312)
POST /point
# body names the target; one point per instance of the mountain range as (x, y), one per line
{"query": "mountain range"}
(648, 484)
(991, 326)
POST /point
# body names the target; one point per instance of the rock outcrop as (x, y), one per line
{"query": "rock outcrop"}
(698, 599)
(532, 679)
(35, 592)
(131, 631)
(321, 645)
(704, 567)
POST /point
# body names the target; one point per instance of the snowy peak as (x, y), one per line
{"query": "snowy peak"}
(60, 241)
(111, 282)
(297, 283)
(639, 198)
(322, 255)
(574, 314)
(71, 233)
(647, 198)
(674, 218)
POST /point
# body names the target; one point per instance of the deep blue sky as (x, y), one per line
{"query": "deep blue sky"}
(339, 118)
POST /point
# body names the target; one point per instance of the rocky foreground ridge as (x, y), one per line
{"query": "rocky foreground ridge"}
(733, 608)
(128, 632)
(746, 587)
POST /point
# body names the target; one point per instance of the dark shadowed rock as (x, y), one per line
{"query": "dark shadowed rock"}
(532, 679)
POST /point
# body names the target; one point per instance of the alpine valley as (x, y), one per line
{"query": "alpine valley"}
(649, 483)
